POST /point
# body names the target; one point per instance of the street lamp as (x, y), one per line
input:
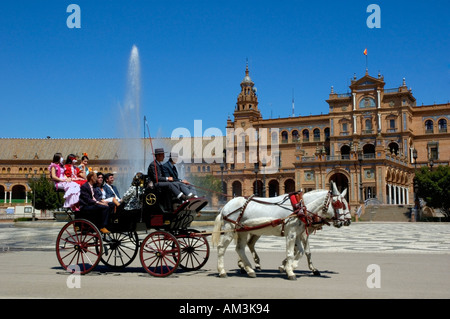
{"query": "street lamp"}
(431, 164)
(255, 170)
(26, 190)
(360, 159)
(416, 188)
(34, 196)
(222, 167)
(264, 179)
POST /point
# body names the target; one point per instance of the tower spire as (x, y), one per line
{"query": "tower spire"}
(293, 105)
(246, 66)
(247, 102)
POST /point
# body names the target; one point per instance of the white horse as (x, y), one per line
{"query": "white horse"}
(303, 241)
(276, 216)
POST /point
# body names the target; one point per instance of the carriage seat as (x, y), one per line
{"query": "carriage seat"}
(158, 201)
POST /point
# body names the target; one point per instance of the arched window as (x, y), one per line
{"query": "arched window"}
(442, 124)
(284, 137)
(274, 188)
(305, 134)
(428, 126)
(316, 133)
(369, 151)
(237, 188)
(289, 186)
(326, 133)
(393, 148)
(345, 152)
(294, 136)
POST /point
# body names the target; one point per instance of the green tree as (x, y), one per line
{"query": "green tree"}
(45, 197)
(434, 187)
(206, 185)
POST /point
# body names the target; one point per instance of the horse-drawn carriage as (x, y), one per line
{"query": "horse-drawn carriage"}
(80, 246)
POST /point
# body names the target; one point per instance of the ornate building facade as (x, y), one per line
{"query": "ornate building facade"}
(366, 143)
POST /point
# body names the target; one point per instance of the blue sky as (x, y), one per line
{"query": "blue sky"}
(71, 83)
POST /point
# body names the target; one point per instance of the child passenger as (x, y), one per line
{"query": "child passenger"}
(62, 182)
(84, 169)
(72, 171)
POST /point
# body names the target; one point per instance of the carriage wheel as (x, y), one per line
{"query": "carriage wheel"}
(120, 249)
(194, 250)
(79, 246)
(160, 254)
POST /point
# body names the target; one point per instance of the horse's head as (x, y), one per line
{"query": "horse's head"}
(340, 207)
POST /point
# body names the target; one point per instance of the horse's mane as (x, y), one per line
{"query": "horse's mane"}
(316, 191)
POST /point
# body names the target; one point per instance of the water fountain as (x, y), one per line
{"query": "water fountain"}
(131, 145)
(135, 151)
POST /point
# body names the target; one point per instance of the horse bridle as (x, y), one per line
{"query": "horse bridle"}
(336, 206)
(300, 211)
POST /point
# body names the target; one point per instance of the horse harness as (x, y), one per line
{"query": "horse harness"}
(299, 210)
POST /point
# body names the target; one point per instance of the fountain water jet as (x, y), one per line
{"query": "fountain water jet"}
(131, 144)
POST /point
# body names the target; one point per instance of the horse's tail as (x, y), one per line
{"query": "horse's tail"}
(216, 230)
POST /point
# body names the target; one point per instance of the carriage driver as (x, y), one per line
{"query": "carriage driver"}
(170, 170)
(155, 172)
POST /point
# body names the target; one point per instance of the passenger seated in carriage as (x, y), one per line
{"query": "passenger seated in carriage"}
(111, 190)
(100, 192)
(170, 170)
(91, 205)
(132, 197)
(84, 169)
(64, 183)
(72, 171)
(155, 173)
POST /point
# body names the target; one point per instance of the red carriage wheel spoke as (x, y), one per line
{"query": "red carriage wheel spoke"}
(160, 254)
(79, 246)
(194, 251)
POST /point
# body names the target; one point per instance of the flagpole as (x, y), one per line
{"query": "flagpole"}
(367, 63)
(145, 146)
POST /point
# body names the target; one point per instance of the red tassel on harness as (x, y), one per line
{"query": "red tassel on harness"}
(294, 199)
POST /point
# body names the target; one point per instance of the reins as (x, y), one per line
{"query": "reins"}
(300, 211)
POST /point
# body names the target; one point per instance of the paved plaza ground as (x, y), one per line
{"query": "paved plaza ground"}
(411, 259)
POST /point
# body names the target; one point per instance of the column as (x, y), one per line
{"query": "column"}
(379, 122)
(378, 99)
(389, 194)
(395, 195)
